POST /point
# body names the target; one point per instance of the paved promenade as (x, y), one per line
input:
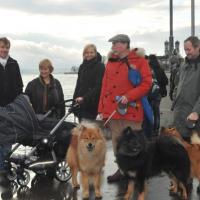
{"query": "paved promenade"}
(46, 189)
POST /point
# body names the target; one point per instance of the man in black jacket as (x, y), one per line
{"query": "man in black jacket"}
(11, 84)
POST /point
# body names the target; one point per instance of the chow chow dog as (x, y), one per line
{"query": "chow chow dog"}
(192, 149)
(140, 160)
(86, 153)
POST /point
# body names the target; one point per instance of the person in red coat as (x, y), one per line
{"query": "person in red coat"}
(116, 83)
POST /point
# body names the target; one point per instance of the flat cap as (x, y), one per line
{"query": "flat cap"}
(120, 38)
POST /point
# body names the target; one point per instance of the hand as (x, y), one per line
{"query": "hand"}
(124, 100)
(194, 116)
(99, 116)
(79, 100)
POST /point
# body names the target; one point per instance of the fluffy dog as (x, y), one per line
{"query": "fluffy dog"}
(192, 149)
(140, 160)
(86, 154)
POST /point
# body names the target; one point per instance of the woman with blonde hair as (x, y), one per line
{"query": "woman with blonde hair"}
(46, 91)
(88, 86)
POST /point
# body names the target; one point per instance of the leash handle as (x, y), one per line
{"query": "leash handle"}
(111, 115)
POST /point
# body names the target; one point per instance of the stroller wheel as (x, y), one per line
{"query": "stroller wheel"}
(23, 192)
(14, 187)
(23, 178)
(63, 172)
(12, 174)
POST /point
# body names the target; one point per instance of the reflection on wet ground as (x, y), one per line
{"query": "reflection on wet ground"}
(45, 188)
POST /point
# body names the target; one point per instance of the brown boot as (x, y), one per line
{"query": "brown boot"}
(117, 176)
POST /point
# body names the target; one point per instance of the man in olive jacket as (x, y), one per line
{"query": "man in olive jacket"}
(186, 105)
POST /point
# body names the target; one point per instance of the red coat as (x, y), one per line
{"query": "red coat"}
(116, 83)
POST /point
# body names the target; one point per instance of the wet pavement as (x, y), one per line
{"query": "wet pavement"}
(44, 188)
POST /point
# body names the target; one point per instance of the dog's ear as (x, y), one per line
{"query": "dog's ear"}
(82, 128)
(100, 133)
(128, 130)
(162, 129)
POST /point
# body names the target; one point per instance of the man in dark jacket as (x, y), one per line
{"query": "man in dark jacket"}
(11, 84)
(186, 105)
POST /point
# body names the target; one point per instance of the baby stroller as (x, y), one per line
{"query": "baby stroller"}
(48, 140)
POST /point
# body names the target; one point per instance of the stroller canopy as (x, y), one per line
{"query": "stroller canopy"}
(20, 124)
(17, 121)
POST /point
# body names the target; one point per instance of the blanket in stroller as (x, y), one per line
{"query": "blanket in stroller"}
(19, 124)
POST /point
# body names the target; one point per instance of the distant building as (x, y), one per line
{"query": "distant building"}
(73, 70)
(168, 57)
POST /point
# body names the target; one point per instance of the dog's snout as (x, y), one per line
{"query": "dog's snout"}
(90, 146)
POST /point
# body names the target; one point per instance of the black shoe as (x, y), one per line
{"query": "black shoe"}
(190, 184)
(116, 177)
(198, 189)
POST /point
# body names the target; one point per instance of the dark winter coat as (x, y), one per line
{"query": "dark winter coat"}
(88, 86)
(43, 97)
(161, 79)
(11, 84)
(174, 79)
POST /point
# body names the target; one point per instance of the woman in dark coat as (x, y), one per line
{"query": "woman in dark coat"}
(46, 91)
(88, 86)
(161, 80)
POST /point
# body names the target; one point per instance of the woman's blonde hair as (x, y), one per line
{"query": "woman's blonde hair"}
(88, 46)
(46, 63)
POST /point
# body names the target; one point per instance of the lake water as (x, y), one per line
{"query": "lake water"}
(68, 82)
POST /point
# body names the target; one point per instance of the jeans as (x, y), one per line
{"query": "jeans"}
(4, 150)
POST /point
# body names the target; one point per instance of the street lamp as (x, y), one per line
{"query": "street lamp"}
(171, 37)
(193, 17)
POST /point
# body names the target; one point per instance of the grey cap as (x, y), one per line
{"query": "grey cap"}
(120, 38)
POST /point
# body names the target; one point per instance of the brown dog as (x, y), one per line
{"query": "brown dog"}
(86, 154)
(192, 149)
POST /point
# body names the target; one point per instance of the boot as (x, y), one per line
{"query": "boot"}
(116, 177)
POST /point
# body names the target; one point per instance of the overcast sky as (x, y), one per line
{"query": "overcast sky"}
(59, 29)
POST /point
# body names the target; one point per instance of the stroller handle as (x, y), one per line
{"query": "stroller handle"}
(70, 110)
(57, 105)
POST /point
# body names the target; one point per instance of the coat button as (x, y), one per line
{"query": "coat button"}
(117, 72)
(114, 86)
(113, 101)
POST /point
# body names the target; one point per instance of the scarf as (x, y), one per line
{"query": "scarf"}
(3, 61)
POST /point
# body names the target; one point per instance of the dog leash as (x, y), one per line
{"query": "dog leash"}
(111, 115)
(117, 109)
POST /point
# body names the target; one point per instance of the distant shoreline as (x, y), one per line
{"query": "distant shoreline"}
(70, 72)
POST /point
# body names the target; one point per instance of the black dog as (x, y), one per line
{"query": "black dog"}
(140, 160)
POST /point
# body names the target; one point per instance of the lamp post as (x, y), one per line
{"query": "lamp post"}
(171, 37)
(193, 17)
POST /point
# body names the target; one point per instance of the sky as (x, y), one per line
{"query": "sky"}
(59, 29)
